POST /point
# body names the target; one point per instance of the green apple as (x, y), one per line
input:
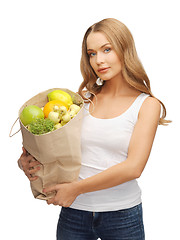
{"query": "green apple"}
(31, 113)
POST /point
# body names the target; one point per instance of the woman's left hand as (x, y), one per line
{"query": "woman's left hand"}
(66, 193)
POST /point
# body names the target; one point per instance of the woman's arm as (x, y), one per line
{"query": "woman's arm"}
(138, 153)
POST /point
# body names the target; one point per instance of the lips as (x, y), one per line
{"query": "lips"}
(103, 70)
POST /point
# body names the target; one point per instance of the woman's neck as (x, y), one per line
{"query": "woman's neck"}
(116, 87)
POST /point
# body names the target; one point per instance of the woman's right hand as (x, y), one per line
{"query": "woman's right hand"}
(29, 165)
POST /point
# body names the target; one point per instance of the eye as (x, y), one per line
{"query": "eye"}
(91, 54)
(107, 50)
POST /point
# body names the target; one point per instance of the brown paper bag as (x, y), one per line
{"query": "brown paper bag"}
(58, 151)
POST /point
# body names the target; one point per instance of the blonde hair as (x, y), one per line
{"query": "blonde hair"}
(132, 70)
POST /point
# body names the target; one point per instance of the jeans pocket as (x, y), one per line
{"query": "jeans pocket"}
(127, 223)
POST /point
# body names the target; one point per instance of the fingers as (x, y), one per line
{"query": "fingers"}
(24, 162)
(34, 164)
(29, 165)
(34, 170)
(29, 158)
(28, 161)
(50, 189)
(30, 174)
(31, 179)
(20, 164)
(26, 155)
(51, 201)
(24, 151)
(24, 158)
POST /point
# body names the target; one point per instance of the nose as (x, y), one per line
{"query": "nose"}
(99, 58)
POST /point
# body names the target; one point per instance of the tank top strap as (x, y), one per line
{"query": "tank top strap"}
(137, 105)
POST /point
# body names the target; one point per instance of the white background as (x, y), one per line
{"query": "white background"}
(40, 48)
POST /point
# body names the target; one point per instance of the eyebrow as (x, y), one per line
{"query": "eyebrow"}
(100, 47)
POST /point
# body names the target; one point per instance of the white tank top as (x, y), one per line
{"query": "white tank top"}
(105, 143)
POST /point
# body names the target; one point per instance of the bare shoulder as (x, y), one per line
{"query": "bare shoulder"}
(152, 103)
(151, 107)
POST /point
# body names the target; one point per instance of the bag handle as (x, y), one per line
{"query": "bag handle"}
(10, 134)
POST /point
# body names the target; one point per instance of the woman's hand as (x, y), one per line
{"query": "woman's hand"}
(66, 193)
(29, 165)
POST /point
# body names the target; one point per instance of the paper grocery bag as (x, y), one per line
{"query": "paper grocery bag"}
(58, 151)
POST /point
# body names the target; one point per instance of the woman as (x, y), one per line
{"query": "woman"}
(117, 138)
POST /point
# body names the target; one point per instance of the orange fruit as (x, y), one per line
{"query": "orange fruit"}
(49, 107)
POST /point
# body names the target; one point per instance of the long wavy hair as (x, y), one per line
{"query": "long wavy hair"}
(122, 41)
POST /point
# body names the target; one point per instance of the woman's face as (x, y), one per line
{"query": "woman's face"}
(103, 58)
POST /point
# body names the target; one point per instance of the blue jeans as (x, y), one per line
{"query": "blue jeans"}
(124, 224)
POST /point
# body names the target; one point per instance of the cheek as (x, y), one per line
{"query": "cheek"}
(118, 68)
(115, 59)
(117, 63)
